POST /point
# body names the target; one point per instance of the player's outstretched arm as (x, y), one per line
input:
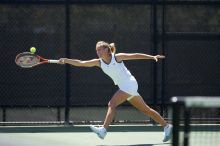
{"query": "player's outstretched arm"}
(135, 56)
(80, 63)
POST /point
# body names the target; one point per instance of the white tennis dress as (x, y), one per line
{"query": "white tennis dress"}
(121, 76)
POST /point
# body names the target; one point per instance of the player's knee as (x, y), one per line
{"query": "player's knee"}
(111, 105)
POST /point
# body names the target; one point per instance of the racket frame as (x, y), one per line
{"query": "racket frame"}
(41, 60)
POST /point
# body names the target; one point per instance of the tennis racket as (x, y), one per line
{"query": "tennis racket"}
(29, 60)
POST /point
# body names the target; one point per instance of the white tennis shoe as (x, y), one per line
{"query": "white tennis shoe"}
(167, 132)
(100, 131)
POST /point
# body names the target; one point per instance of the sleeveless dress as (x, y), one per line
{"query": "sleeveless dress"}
(121, 76)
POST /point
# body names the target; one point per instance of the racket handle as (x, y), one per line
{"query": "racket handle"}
(53, 61)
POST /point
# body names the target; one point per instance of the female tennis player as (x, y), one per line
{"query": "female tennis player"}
(112, 64)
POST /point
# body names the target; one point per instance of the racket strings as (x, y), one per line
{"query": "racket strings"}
(27, 60)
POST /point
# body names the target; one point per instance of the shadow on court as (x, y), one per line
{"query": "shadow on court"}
(161, 144)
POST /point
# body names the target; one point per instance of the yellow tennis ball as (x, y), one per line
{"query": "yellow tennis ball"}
(33, 50)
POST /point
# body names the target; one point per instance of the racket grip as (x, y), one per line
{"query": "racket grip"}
(53, 61)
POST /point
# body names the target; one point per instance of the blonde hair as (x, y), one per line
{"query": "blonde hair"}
(104, 44)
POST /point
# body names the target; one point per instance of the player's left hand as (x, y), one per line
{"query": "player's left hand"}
(157, 57)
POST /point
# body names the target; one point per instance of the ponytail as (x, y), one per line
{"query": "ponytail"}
(112, 48)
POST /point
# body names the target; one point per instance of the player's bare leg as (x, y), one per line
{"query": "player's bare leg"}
(118, 98)
(139, 103)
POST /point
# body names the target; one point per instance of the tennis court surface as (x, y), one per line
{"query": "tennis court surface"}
(81, 136)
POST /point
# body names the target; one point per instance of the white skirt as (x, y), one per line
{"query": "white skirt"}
(129, 86)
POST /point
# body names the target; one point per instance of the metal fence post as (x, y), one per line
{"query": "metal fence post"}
(163, 62)
(67, 88)
(154, 51)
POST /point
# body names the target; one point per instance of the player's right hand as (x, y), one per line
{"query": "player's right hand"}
(62, 61)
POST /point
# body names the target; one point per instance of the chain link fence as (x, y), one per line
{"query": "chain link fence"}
(192, 50)
(187, 34)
